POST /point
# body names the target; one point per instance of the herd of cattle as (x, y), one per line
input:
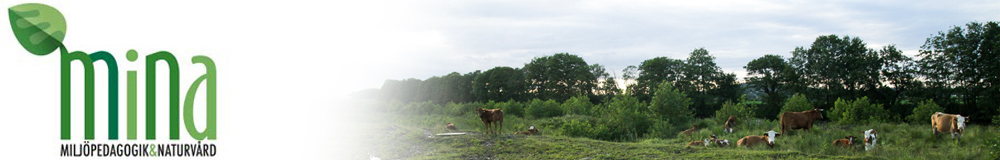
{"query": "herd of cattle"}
(940, 123)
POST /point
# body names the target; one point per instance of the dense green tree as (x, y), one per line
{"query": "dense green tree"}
(964, 63)
(671, 105)
(837, 67)
(771, 75)
(500, 84)
(560, 76)
(652, 72)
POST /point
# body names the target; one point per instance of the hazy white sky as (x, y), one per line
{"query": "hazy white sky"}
(438, 37)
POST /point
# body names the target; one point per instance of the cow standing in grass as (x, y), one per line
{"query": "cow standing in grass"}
(490, 117)
(870, 138)
(750, 141)
(948, 123)
(690, 131)
(800, 120)
(729, 124)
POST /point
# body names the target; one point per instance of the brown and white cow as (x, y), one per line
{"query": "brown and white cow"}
(719, 142)
(870, 138)
(451, 126)
(704, 142)
(800, 120)
(750, 141)
(490, 117)
(729, 124)
(846, 142)
(531, 130)
(948, 123)
(688, 132)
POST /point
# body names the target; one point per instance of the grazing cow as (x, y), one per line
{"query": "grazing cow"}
(800, 120)
(531, 130)
(847, 141)
(750, 141)
(491, 116)
(729, 124)
(690, 131)
(451, 127)
(870, 137)
(719, 142)
(704, 142)
(948, 123)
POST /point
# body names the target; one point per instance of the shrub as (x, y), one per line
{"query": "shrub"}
(543, 109)
(579, 104)
(626, 117)
(922, 113)
(857, 112)
(741, 110)
(797, 103)
(664, 129)
(512, 107)
(671, 105)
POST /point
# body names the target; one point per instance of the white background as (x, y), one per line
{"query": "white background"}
(282, 67)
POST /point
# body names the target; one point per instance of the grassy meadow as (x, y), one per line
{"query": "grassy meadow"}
(411, 137)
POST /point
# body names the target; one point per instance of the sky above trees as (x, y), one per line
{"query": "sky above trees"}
(431, 38)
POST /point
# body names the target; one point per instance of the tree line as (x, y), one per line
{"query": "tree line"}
(956, 69)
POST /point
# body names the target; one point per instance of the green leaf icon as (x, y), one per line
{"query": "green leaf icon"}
(39, 27)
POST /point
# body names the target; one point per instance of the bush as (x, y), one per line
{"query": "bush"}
(797, 103)
(741, 110)
(577, 105)
(665, 130)
(626, 117)
(671, 105)
(922, 113)
(544, 109)
(857, 112)
(512, 107)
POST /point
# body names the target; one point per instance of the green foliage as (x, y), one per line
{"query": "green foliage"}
(500, 84)
(771, 75)
(797, 103)
(543, 109)
(512, 107)
(560, 76)
(922, 114)
(626, 118)
(742, 110)
(671, 105)
(859, 111)
(577, 105)
(38, 27)
(963, 62)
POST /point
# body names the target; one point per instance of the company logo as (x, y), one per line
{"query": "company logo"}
(40, 29)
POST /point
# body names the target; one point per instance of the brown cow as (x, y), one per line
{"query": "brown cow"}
(870, 138)
(491, 116)
(532, 130)
(451, 126)
(690, 131)
(750, 141)
(948, 123)
(729, 124)
(847, 141)
(800, 120)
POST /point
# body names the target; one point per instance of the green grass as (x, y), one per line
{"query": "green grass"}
(408, 139)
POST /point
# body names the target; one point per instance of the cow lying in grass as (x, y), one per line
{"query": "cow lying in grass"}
(531, 130)
(948, 123)
(800, 120)
(451, 127)
(750, 141)
(846, 142)
(729, 124)
(719, 142)
(490, 117)
(704, 142)
(870, 137)
(690, 131)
